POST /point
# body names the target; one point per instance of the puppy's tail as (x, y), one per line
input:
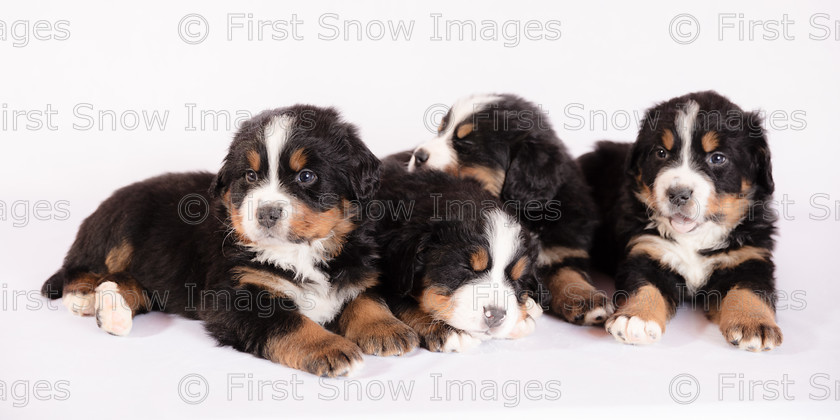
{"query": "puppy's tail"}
(54, 286)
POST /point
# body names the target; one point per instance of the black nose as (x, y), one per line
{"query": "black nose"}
(493, 316)
(269, 214)
(421, 156)
(679, 195)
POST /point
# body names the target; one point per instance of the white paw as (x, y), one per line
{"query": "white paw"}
(79, 304)
(523, 328)
(460, 342)
(634, 330)
(598, 315)
(534, 310)
(113, 314)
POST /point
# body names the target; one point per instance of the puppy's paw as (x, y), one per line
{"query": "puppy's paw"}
(582, 307)
(113, 315)
(388, 337)
(81, 304)
(443, 338)
(527, 324)
(332, 357)
(755, 337)
(631, 329)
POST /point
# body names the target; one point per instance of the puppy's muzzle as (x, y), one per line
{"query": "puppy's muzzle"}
(269, 214)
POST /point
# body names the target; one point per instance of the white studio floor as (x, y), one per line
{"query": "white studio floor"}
(613, 60)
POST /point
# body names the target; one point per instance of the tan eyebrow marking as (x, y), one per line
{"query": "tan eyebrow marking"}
(710, 141)
(668, 139)
(254, 159)
(298, 160)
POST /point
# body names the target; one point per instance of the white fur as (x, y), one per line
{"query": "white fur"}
(112, 311)
(79, 304)
(460, 342)
(491, 289)
(682, 253)
(441, 152)
(634, 330)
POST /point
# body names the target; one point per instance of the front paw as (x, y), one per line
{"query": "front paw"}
(753, 336)
(332, 358)
(527, 324)
(630, 329)
(388, 337)
(590, 307)
(443, 338)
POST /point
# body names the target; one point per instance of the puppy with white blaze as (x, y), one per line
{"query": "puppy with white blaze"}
(508, 145)
(278, 262)
(685, 218)
(457, 268)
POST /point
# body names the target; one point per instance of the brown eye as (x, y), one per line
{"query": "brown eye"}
(251, 176)
(661, 153)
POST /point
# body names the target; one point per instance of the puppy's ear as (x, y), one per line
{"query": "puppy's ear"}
(633, 164)
(403, 258)
(760, 166)
(222, 181)
(534, 172)
(364, 180)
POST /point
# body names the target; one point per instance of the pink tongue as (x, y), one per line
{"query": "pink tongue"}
(682, 224)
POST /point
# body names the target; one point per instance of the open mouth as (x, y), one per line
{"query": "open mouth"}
(683, 224)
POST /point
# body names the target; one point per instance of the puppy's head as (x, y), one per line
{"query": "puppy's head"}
(503, 141)
(471, 274)
(700, 161)
(295, 175)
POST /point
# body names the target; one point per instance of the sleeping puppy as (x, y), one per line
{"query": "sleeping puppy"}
(277, 262)
(507, 144)
(457, 268)
(689, 220)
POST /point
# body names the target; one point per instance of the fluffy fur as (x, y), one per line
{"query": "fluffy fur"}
(459, 269)
(685, 217)
(507, 144)
(279, 263)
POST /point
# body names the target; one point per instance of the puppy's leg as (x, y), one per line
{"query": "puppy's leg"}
(573, 296)
(642, 317)
(78, 295)
(118, 298)
(746, 312)
(368, 322)
(269, 326)
(435, 335)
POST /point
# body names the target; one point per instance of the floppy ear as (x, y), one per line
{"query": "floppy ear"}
(632, 166)
(534, 172)
(364, 180)
(404, 261)
(222, 181)
(760, 166)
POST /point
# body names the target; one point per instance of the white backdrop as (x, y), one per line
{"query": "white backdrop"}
(66, 69)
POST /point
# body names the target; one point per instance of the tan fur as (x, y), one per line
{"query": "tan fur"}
(464, 129)
(119, 257)
(83, 284)
(313, 349)
(652, 246)
(518, 269)
(254, 160)
(558, 254)
(732, 207)
(710, 141)
(434, 302)
(333, 225)
(743, 315)
(370, 324)
(491, 179)
(298, 160)
(572, 296)
(432, 332)
(668, 139)
(648, 304)
(479, 260)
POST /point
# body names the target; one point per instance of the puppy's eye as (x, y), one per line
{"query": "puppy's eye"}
(660, 153)
(251, 175)
(306, 177)
(717, 159)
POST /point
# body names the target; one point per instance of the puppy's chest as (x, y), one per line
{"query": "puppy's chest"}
(311, 290)
(683, 256)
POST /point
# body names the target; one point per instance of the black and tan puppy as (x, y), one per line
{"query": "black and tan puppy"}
(507, 144)
(686, 218)
(456, 267)
(278, 265)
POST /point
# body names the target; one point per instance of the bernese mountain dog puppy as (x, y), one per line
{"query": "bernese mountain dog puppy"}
(685, 218)
(507, 144)
(279, 266)
(457, 268)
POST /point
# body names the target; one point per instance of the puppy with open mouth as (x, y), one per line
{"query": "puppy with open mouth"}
(279, 264)
(685, 218)
(457, 268)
